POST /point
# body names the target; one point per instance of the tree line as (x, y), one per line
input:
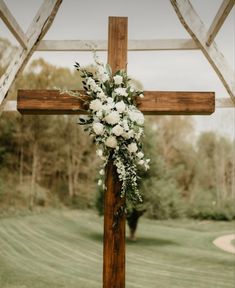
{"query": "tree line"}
(50, 161)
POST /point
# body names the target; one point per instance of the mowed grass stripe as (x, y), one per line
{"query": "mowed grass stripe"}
(64, 250)
(50, 251)
(44, 240)
(31, 264)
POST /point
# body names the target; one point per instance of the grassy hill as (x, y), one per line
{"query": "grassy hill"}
(63, 249)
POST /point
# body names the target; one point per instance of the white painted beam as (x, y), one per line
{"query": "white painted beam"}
(102, 45)
(35, 33)
(10, 106)
(195, 27)
(219, 19)
(224, 103)
(12, 24)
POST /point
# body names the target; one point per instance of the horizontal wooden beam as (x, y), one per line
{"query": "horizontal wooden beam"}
(219, 19)
(154, 103)
(12, 24)
(11, 105)
(102, 45)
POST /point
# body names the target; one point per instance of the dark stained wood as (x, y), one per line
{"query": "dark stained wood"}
(114, 222)
(51, 102)
(114, 232)
(177, 103)
(154, 103)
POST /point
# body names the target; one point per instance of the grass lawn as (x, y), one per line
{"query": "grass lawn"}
(63, 249)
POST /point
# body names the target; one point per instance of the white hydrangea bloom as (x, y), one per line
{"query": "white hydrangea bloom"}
(111, 142)
(125, 125)
(101, 95)
(130, 134)
(117, 130)
(118, 79)
(98, 128)
(120, 106)
(121, 91)
(132, 148)
(99, 114)
(112, 118)
(95, 105)
(110, 103)
(140, 155)
(109, 100)
(136, 116)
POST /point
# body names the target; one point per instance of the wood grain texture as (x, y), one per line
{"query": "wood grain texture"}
(114, 226)
(154, 103)
(36, 31)
(102, 45)
(114, 232)
(12, 24)
(197, 30)
(219, 19)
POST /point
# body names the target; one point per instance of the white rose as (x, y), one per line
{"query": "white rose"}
(140, 155)
(137, 116)
(102, 74)
(132, 148)
(109, 100)
(111, 142)
(99, 114)
(125, 135)
(102, 172)
(117, 130)
(93, 86)
(121, 91)
(112, 118)
(140, 118)
(120, 106)
(130, 133)
(110, 103)
(101, 95)
(125, 125)
(95, 105)
(118, 79)
(99, 152)
(98, 128)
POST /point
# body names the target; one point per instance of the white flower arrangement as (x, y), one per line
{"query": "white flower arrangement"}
(115, 124)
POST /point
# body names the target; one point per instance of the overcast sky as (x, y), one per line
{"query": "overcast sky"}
(148, 19)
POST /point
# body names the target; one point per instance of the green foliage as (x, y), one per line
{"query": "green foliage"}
(49, 160)
(61, 249)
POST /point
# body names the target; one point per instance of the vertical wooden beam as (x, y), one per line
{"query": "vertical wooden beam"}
(114, 225)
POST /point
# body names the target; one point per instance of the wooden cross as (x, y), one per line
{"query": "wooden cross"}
(154, 103)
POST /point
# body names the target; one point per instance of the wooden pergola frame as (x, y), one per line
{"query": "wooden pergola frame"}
(201, 39)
